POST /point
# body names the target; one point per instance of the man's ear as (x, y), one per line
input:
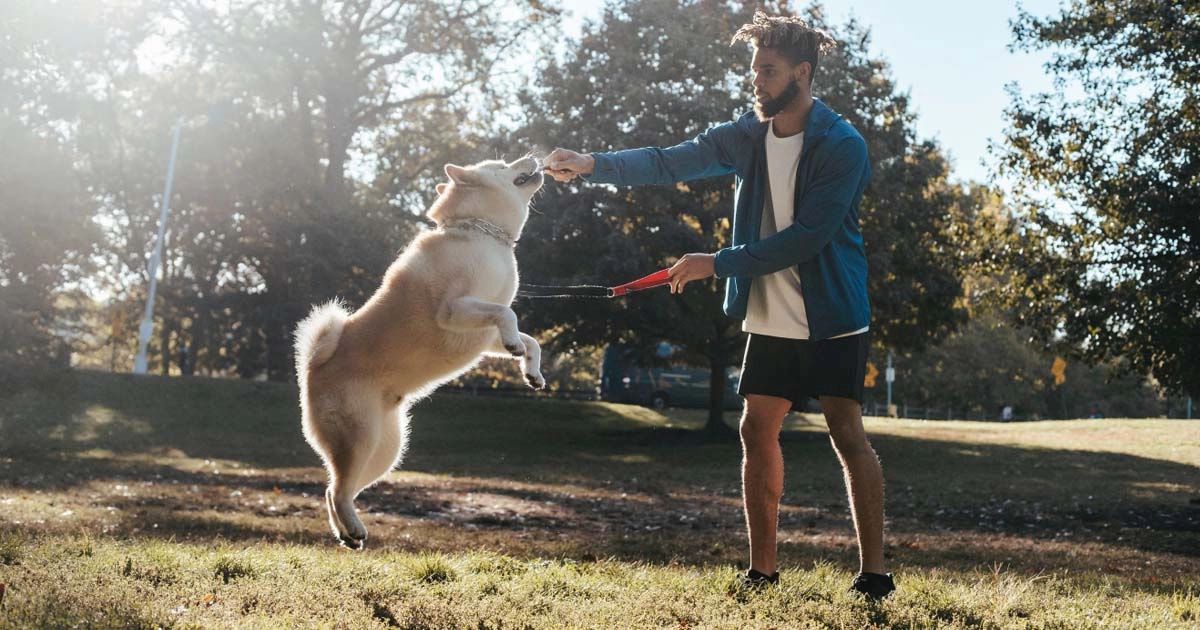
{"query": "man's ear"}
(441, 188)
(458, 174)
(804, 69)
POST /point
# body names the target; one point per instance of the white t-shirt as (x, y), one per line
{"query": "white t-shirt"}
(776, 301)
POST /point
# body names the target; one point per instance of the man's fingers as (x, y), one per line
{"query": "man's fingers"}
(677, 273)
(559, 160)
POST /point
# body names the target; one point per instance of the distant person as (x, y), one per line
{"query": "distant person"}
(185, 360)
(1006, 414)
(796, 274)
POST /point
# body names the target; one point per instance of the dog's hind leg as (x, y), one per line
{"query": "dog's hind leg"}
(348, 456)
(393, 438)
(340, 499)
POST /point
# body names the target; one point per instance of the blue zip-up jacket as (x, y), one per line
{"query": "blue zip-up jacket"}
(823, 242)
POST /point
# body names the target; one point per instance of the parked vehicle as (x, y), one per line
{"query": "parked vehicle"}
(624, 379)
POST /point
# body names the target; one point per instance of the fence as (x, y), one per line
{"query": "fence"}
(522, 392)
(913, 412)
(916, 412)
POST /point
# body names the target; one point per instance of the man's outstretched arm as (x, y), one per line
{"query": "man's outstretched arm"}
(711, 153)
(564, 165)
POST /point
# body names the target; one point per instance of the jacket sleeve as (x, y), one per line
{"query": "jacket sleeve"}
(709, 154)
(818, 215)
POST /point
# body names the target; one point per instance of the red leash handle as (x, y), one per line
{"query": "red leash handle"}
(655, 279)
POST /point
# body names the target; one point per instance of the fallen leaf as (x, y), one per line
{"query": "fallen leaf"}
(276, 490)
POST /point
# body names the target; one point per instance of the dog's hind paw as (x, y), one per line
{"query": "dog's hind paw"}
(535, 381)
(352, 543)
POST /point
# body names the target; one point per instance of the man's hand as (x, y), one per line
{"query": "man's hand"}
(690, 267)
(564, 165)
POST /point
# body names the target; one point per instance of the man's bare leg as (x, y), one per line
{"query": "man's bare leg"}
(762, 475)
(864, 477)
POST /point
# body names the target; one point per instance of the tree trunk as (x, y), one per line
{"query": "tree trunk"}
(200, 339)
(164, 336)
(279, 345)
(718, 360)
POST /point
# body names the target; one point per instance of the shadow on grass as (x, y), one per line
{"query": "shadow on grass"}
(634, 479)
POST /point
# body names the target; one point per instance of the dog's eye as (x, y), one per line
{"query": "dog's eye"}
(521, 180)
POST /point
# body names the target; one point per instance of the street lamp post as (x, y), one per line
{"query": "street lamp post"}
(147, 325)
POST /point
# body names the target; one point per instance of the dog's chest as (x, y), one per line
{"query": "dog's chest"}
(489, 270)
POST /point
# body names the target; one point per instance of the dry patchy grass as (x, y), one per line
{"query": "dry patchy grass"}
(150, 502)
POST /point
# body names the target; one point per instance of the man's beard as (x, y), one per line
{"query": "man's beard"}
(766, 110)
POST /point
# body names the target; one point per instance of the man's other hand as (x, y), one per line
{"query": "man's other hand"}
(690, 267)
(564, 165)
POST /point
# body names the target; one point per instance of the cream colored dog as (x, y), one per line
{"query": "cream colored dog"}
(443, 304)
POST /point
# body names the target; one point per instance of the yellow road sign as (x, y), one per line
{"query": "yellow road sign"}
(1059, 370)
(869, 377)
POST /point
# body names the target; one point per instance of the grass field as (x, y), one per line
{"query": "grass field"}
(149, 502)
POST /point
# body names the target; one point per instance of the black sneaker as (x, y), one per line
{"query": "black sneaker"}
(753, 578)
(875, 586)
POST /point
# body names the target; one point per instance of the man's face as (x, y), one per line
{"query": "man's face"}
(776, 82)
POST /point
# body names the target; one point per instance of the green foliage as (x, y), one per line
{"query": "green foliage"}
(312, 134)
(45, 225)
(652, 73)
(1108, 184)
(911, 216)
(989, 364)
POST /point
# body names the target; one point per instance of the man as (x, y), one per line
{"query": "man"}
(796, 275)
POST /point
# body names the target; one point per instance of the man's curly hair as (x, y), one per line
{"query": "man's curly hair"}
(791, 36)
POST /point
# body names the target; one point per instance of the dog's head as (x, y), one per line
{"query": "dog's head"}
(494, 190)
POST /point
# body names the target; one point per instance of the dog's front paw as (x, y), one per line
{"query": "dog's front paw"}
(517, 350)
(535, 381)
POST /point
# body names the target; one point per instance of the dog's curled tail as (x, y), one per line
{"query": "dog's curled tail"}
(317, 336)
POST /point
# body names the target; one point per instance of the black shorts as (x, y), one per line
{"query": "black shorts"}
(799, 369)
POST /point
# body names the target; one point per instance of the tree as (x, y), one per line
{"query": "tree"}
(1107, 173)
(989, 364)
(912, 216)
(42, 230)
(312, 131)
(45, 227)
(656, 72)
(653, 72)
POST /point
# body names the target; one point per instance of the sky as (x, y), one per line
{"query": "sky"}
(951, 56)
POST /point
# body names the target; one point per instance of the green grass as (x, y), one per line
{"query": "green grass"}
(151, 502)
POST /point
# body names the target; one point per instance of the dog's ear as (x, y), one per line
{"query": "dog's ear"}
(458, 174)
(441, 188)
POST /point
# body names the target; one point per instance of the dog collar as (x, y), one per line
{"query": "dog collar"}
(480, 225)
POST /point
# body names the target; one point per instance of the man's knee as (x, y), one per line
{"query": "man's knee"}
(850, 444)
(758, 431)
(761, 421)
